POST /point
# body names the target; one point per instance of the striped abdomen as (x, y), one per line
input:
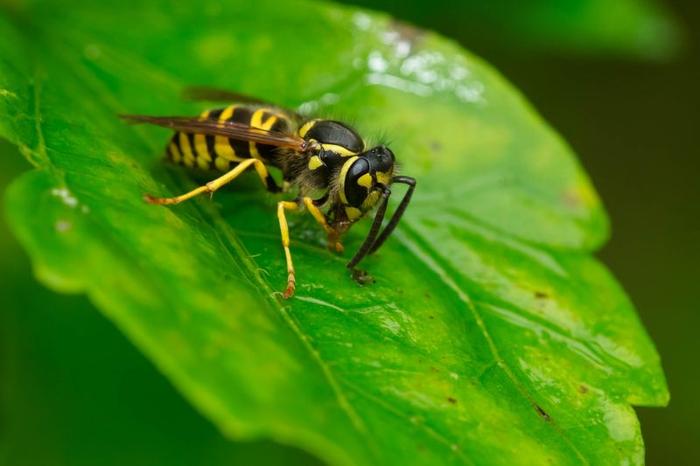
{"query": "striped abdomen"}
(209, 152)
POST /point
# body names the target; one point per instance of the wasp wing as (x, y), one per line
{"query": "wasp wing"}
(227, 129)
(220, 95)
(213, 94)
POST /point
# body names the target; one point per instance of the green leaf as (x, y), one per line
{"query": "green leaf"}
(64, 406)
(491, 336)
(645, 29)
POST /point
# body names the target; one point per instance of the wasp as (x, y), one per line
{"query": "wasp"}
(337, 177)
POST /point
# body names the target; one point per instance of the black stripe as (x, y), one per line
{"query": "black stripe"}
(241, 148)
(281, 125)
(197, 158)
(176, 141)
(243, 116)
(211, 139)
(266, 151)
(211, 146)
(271, 185)
(215, 114)
(190, 138)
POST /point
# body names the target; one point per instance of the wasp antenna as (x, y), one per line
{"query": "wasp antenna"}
(135, 119)
(374, 229)
(411, 182)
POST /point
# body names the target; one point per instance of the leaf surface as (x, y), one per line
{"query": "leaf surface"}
(491, 335)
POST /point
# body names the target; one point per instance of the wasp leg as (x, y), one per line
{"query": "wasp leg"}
(333, 236)
(284, 231)
(217, 183)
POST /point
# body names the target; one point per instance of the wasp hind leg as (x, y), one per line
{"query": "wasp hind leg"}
(333, 235)
(217, 183)
(284, 231)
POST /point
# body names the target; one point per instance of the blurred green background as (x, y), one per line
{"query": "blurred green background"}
(75, 392)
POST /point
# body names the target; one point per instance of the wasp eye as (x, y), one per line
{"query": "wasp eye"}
(357, 182)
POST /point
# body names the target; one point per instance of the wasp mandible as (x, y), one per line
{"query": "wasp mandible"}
(338, 178)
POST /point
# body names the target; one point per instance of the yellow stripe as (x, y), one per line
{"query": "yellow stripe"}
(256, 122)
(365, 180)
(340, 150)
(370, 200)
(221, 144)
(306, 127)
(343, 174)
(315, 162)
(203, 164)
(174, 152)
(353, 213)
(200, 145)
(187, 155)
(384, 178)
(222, 164)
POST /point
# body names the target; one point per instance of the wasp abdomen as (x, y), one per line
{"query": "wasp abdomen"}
(209, 152)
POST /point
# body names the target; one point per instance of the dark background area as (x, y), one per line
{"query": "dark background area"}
(72, 383)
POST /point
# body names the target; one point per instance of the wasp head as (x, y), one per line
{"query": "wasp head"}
(363, 178)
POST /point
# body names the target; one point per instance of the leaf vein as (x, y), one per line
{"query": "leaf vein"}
(433, 265)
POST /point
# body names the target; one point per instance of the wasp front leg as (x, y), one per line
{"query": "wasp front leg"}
(333, 234)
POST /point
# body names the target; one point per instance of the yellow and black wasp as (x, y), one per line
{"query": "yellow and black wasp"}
(337, 177)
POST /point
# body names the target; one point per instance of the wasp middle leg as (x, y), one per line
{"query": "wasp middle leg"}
(284, 231)
(333, 235)
(217, 183)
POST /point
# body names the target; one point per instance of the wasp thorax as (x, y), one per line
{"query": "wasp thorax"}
(333, 135)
